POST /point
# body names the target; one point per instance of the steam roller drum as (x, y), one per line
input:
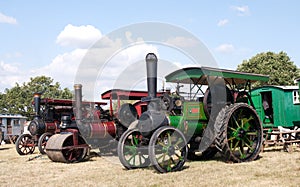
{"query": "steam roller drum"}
(60, 148)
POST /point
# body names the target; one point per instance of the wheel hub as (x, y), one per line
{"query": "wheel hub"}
(171, 150)
(240, 133)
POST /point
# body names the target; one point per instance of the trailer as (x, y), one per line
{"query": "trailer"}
(279, 110)
(11, 126)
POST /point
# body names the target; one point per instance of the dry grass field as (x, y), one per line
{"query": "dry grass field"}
(274, 168)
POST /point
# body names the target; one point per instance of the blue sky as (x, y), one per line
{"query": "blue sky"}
(39, 37)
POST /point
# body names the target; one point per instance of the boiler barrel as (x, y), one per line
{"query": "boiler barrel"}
(99, 130)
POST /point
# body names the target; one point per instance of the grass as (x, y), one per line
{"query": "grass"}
(273, 168)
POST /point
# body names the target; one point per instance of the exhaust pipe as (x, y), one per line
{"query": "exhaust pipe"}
(78, 101)
(151, 61)
(37, 104)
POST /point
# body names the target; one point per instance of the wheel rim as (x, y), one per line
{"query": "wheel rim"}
(71, 153)
(132, 152)
(243, 133)
(168, 150)
(43, 141)
(25, 145)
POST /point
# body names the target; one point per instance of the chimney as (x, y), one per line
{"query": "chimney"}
(37, 103)
(78, 101)
(151, 61)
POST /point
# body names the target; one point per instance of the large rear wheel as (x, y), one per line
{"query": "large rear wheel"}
(168, 149)
(241, 133)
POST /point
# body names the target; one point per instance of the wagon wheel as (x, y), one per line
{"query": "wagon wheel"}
(60, 148)
(43, 141)
(241, 133)
(168, 149)
(25, 144)
(132, 151)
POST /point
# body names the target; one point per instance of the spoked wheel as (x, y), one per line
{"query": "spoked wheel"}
(241, 134)
(25, 144)
(60, 148)
(168, 149)
(43, 141)
(132, 150)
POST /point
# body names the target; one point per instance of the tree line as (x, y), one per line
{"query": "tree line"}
(18, 99)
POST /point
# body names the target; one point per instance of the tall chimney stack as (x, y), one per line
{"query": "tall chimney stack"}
(37, 103)
(151, 61)
(78, 101)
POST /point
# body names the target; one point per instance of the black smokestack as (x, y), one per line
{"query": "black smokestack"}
(37, 103)
(151, 61)
(78, 101)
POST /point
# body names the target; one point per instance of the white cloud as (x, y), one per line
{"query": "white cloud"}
(10, 74)
(63, 67)
(182, 42)
(225, 48)
(78, 36)
(223, 22)
(7, 19)
(241, 10)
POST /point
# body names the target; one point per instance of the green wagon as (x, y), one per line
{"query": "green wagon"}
(279, 110)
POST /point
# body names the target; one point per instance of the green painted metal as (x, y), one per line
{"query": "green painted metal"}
(193, 111)
(284, 112)
(189, 127)
(199, 75)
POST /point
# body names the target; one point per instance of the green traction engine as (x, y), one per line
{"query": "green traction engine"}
(212, 115)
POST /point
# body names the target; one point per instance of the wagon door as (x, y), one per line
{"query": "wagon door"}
(263, 103)
(267, 107)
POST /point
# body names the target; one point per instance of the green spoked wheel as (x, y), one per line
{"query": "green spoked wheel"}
(132, 150)
(241, 134)
(168, 149)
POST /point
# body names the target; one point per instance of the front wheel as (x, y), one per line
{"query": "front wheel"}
(241, 133)
(132, 150)
(168, 149)
(43, 141)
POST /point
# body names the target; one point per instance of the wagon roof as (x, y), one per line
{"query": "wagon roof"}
(277, 87)
(199, 75)
(125, 94)
(19, 116)
(66, 102)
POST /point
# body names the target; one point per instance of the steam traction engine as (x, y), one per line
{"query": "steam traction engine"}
(101, 130)
(47, 121)
(198, 125)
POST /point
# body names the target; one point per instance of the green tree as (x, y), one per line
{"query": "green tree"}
(279, 67)
(18, 99)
